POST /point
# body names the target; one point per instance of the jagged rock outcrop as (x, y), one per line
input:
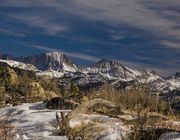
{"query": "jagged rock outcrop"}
(50, 61)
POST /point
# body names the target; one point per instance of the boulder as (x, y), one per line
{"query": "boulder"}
(61, 103)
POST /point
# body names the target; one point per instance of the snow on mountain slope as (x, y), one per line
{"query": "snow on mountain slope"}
(19, 65)
(174, 84)
(69, 68)
(112, 69)
(50, 74)
(148, 77)
(135, 72)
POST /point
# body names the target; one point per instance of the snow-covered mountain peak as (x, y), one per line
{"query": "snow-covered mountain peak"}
(56, 61)
(55, 55)
(112, 69)
(107, 64)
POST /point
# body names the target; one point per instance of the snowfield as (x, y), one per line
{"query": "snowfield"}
(31, 121)
(35, 122)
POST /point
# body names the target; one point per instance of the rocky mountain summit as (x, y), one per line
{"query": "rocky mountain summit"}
(50, 61)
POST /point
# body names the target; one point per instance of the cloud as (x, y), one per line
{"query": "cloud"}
(152, 16)
(10, 32)
(71, 54)
(41, 22)
(171, 44)
(168, 70)
(22, 3)
(134, 13)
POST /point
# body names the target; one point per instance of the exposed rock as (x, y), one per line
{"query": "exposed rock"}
(50, 61)
(61, 103)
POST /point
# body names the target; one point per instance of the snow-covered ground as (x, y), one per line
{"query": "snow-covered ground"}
(170, 136)
(35, 122)
(31, 121)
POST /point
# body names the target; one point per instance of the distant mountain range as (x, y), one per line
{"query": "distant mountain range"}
(58, 62)
(57, 65)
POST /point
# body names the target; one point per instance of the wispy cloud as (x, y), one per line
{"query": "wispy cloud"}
(41, 22)
(171, 44)
(167, 71)
(71, 54)
(152, 16)
(29, 3)
(10, 32)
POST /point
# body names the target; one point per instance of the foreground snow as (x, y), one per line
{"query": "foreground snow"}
(34, 121)
(31, 121)
(170, 136)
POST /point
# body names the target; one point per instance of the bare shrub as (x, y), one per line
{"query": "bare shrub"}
(131, 99)
(6, 129)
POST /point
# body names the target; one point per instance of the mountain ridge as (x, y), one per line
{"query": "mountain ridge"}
(56, 65)
(57, 61)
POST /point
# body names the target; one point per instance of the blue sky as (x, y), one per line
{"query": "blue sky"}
(142, 34)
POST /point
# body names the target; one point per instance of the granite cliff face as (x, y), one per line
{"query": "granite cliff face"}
(50, 61)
